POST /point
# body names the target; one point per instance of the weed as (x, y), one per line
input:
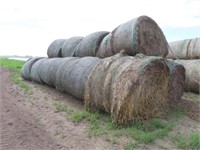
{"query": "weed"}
(194, 140)
(130, 146)
(79, 116)
(63, 107)
(191, 141)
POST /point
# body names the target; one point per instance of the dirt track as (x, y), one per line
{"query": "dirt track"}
(31, 121)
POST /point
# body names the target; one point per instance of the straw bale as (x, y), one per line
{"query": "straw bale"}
(76, 74)
(64, 62)
(35, 70)
(69, 46)
(89, 44)
(185, 49)
(26, 69)
(176, 81)
(47, 70)
(192, 68)
(139, 35)
(105, 49)
(130, 88)
(54, 49)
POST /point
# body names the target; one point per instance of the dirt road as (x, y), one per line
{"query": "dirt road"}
(29, 121)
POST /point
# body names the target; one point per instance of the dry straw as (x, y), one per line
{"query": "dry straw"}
(35, 70)
(140, 35)
(192, 68)
(185, 49)
(26, 69)
(54, 49)
(90, 44)
(130, 88)
(176, 81)
(68, 48)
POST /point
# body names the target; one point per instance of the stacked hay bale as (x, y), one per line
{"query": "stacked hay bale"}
(54, 49)
(176, 81)
(185, 49)
(128, 87)
(26, 69)
(139, 35)
(192, 67)
(187, 53)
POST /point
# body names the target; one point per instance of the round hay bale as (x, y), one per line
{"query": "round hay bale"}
(192, 69)
(68, 48)
(105, 49)
(185, 49)
(54, 49)
(61, 68)
(47, 70)
(89, 44)
(176, 81)
(140, 35)
(130, 88)
(35, 70)
(76, 74)
(25, 71)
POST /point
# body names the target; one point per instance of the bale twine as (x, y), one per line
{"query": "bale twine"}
(54, 49)
(26, 69)
(192, 68)
(130, 88)
(140, 35)
(35, 70)
(90, 44)
(185, 49)
(68, 48)
(176, 81)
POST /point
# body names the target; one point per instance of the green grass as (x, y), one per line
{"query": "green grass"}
(130, 146)
(176, 113)
(15, 66)
(141, 132)
(191, 141)
(192, 96)
(63, 107)
(101, 124)
(146, 132)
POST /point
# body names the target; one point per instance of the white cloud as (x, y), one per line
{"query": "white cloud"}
(27, 27)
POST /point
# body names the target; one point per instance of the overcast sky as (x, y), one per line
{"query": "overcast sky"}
(27, 27)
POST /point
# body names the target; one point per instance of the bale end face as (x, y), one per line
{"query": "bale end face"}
(176, 81)
(143, 96)
(151, 41)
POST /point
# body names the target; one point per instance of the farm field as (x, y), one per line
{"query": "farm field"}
(35, 116)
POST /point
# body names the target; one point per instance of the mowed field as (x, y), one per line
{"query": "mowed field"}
(35, 116)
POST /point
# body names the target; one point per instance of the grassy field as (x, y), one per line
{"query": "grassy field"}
(15, 66)
(100, 123)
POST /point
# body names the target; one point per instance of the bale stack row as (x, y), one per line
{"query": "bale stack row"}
(127, 87)
(139, 35)
(130, 88)
(187, 53)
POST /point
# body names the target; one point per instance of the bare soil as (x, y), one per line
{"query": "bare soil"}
(31, 122)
